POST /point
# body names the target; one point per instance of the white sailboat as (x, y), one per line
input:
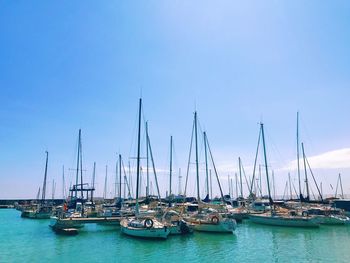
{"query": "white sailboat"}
(42, 210)
(208, 219)
(284, 220)
(142, 226)
(290, 219)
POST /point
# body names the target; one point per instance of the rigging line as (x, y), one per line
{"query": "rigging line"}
(189, 159)
(133, 136)
(275, 149)
(154, 169)
(256, 157)
(313, 177)
(245, 176)
(216, 173)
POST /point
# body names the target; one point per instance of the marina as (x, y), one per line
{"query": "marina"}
(174, 131)
(251, 243)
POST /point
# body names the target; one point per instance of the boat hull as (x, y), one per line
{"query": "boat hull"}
(152, 233)
(57, 223)
(36, 215)
(222, 227)
(332, 220)
(284, 221)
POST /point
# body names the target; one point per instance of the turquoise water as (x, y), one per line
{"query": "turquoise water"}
(26, 240)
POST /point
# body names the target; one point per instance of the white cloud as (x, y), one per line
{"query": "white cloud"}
(336, 159)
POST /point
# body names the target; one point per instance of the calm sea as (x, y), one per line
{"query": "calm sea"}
(26, 240)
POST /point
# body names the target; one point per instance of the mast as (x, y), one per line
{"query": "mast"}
(189, 158)
(45, 177)
(240, 175)
(77, 171)
(196, 144)
(290, 187)
(300, 195)
(120, 177)
(147, 160)
(81, 167)
(138, 159)
(306, 181)
(93, 182)
(171, 163)
(206, 162)
(266, 168)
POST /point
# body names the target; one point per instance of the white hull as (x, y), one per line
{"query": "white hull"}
(332, 220)
(222, 227)
(161, 232)
(62, 224)
(284, 221)
(36, 215)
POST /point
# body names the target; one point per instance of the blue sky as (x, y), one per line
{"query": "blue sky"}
(67, 65)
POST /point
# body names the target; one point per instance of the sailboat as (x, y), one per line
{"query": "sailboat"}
(142, 226)
(77, 205)
(42, 210)
(208, 219)
(277, 217)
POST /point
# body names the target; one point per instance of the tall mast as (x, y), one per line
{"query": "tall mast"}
(77, 171)
(147, 161)
(171, 163)
(240, 175)
(93, 182)
(290, 187)
(138, 159)
(266, 168)
(206, 161)
(300, 195)
(81, 167)
(120, 177)
(306, 181)
(45, 177)
(196, 143)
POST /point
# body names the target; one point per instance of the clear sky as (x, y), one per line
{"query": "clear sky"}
(66, 65)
